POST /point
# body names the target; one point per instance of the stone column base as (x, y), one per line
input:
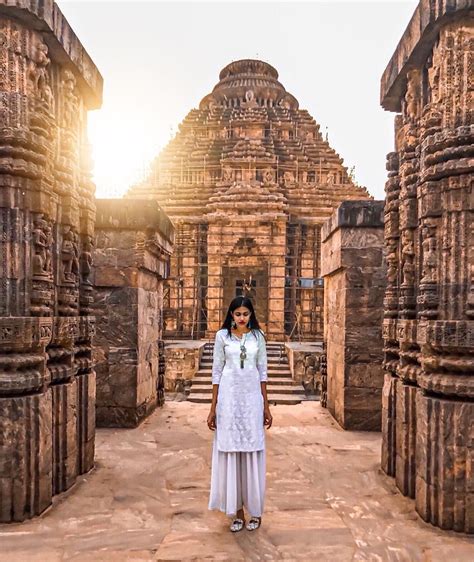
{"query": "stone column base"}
(444, 462)
(25, 456)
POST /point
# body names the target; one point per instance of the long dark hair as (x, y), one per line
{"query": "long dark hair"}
(253, 322)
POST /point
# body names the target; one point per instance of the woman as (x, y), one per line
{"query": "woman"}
(238, 413)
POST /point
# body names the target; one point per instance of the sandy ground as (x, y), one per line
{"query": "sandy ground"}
(147, 500)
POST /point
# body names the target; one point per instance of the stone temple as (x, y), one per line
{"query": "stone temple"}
(105, 307)
(248, 181)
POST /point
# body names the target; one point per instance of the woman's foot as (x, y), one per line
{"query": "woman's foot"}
(239, 522)
(254, 523)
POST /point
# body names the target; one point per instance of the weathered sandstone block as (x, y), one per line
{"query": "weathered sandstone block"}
(133, 245)
(353, 267)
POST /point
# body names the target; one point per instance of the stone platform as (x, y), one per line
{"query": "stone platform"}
(146, 499)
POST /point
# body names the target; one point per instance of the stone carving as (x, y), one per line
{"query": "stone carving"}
(47, 395)
(412, 96)
(38, 74)
(70, 255)
(250, 101)
(392, 263)
(408, 255)
(288, 178)
(70, 101)
(434, 73)
(429, 252)
(268, 177)
(86, 260)
(428, 332)
(227, 175)
(42, 241)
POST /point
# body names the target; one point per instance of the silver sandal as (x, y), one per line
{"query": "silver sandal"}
(254, 523)
(237, 525)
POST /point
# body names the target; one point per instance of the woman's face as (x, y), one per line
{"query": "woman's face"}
(241, 316)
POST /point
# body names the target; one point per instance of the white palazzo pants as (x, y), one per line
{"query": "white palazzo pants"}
(237, 480)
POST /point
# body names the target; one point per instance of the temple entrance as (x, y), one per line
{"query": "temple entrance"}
(250, 283)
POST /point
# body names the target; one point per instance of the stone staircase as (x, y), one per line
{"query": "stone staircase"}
(280, 386)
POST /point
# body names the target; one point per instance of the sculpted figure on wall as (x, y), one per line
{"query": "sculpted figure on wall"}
(42, 241)
(227, 174)
(268, 176)
(429, 252)
(70, 101)
(70, 255)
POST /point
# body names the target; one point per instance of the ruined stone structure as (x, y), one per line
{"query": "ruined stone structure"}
(354, 271)
(248, 181)
(133, 244)
(428, 394)
(47, 383)
(305, 361)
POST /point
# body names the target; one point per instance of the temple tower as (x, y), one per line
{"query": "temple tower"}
(248, 181)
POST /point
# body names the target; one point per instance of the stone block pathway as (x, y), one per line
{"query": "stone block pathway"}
(327, 500)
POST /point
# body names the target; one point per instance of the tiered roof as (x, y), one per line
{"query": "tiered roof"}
(249, 132)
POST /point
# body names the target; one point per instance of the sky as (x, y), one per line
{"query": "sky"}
(159, 59)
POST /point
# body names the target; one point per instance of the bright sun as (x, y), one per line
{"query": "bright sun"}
(122, 151)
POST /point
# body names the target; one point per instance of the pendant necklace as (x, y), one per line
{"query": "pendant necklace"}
(243, 351)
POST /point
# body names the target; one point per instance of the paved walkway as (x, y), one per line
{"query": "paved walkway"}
(147, 500)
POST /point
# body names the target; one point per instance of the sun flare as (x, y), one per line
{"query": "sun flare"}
(122, 150)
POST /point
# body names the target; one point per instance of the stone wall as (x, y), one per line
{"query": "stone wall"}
(47, 383)
(428, 407)
(133, 245)
(304, 360)
(182, 359)
(353, 267)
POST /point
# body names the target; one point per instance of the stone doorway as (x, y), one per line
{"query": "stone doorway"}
(250, 283)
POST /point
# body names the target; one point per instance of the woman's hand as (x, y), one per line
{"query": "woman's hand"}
(211, 420)
(267, 417)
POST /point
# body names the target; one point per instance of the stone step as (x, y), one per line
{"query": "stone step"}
(270, 367)
(269, 346)
(271, 380)
(270, 356)
(271, 373)
(273, 399)
(270, 360)
(271, 389)
(280, 386)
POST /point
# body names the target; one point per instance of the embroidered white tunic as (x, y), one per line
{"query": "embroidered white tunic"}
(240, 401)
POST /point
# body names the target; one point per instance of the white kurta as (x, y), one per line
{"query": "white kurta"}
(238, 458)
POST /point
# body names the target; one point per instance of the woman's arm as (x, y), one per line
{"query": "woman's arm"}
(218, 362)
(262, 367)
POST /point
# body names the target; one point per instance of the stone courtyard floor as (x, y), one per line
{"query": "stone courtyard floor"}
(147, 500)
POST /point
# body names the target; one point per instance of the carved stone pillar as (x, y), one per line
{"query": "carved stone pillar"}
(46, 221)
(353, 267)
(429, 337)
(25, 418)
(134, 240)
